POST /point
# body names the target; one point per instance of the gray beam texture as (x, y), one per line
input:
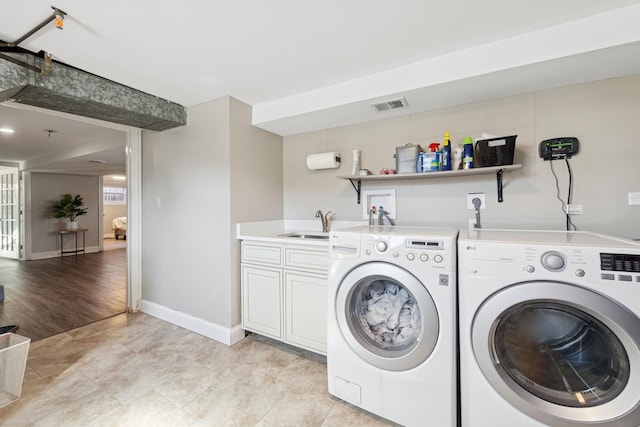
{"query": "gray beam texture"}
(77, 92)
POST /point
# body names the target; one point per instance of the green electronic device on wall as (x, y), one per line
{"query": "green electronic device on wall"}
(559, 148)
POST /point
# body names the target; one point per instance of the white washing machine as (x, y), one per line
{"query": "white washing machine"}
(549, 329)
(391, 337)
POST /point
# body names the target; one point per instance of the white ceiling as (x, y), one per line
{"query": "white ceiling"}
(74, 146)
(314, 65)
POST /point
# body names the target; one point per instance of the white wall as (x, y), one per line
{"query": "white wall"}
(184, 210)
(602, 115)
(218, 170)
(45, 189)
(256, 184)
(190, 254)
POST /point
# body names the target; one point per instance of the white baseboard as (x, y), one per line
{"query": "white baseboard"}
(227, 336)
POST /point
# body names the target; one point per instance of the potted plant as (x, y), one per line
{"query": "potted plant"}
(69, 207)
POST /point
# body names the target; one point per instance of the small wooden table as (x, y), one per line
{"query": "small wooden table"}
(76, 250)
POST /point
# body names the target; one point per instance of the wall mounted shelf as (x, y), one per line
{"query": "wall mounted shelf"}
(356, 180)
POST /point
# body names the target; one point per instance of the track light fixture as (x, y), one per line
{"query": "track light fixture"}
(59, 18)
(57, 15)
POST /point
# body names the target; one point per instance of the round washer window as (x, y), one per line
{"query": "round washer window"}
(561, 354)
(387, 316)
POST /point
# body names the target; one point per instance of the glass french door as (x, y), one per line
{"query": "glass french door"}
(9, 213)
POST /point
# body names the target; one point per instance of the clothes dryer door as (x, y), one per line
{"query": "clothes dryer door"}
(387, 316)
(561, 353)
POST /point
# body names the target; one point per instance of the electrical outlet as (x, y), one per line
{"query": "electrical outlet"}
(471, 196)
(574, 209)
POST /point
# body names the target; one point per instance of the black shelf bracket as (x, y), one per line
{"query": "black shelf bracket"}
(499, 179)
(357, 187)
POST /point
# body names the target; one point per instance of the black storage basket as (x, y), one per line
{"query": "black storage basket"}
(495, 151)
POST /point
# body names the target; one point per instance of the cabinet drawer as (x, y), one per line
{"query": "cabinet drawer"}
(316, 260)
(267, 254)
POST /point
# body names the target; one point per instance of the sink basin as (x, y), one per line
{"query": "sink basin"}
(303, 235)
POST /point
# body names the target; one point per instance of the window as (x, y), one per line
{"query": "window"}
(114, 195)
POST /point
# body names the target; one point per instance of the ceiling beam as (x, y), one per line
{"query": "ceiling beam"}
(77, 92)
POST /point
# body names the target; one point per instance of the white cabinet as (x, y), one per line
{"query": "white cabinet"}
(306, 310)
(284, 293)
(262, 300)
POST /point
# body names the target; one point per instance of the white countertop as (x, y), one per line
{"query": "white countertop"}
(273, 231)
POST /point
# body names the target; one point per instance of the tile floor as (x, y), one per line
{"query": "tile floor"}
(137, 370)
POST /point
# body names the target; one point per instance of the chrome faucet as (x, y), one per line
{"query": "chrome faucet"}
(324, 219)
(384, 214)
(372, 212)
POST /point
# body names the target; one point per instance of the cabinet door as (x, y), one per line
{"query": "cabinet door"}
(262, 300)
(306, 311)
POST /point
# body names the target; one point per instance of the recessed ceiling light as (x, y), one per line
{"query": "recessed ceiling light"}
(118, 177)
(97, 161)
(6, 130)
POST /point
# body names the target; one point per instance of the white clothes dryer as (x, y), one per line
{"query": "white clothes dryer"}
(549, 329)
(391, 337)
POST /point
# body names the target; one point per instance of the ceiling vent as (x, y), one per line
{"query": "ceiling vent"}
(391, 104)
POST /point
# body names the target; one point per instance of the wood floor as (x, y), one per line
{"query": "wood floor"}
(50, 296)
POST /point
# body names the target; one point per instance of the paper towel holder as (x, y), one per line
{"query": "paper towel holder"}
(328, 160)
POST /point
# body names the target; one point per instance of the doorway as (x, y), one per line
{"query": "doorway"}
(130, 149)
(114, 211)
(9, 213)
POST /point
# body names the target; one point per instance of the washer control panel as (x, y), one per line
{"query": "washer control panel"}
(410, 249)
(420, 250)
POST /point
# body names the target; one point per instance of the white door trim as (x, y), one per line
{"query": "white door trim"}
(134, 219)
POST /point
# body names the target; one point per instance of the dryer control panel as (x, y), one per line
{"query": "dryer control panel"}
(619, 267)
(620, 262)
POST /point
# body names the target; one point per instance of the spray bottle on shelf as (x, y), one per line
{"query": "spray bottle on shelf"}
(446, 153)
(467, 153)
(434, 157)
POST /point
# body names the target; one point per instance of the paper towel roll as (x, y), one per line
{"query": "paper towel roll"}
(328, 160)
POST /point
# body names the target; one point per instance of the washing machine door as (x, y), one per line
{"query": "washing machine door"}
(561, 353)
(387, 316)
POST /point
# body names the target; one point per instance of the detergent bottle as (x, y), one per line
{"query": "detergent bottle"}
(420, 162)
(446, 153)
(467, 153)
